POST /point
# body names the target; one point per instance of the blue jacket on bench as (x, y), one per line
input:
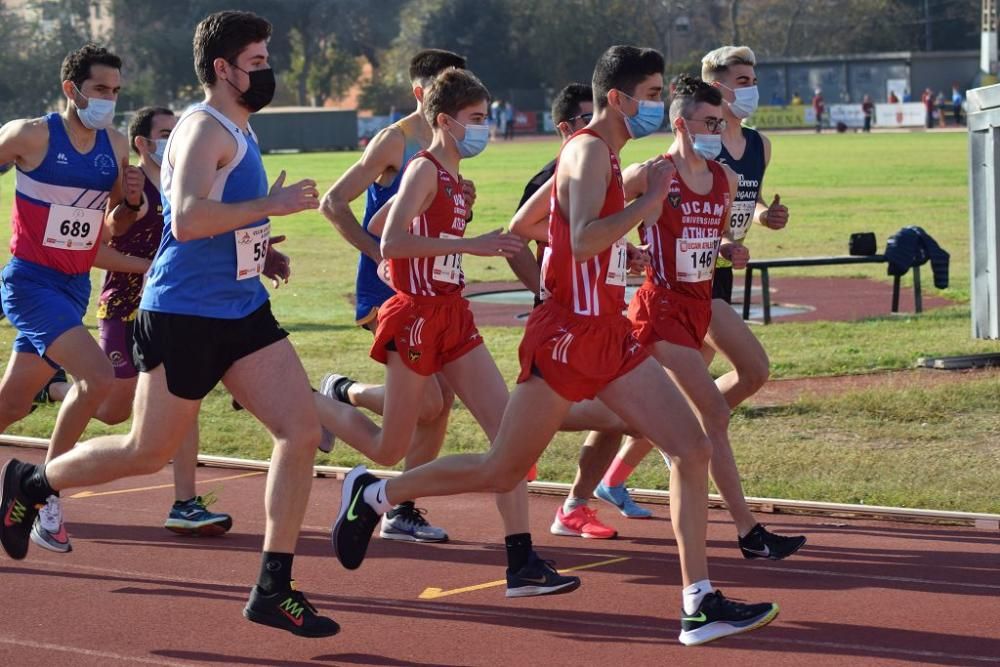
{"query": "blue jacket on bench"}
(912, 246)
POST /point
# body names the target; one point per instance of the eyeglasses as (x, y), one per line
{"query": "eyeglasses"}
(712, 124)
(585, 117)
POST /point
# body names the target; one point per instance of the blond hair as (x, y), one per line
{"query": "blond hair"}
(721, 59)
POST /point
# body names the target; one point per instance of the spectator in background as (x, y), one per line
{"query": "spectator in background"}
(796, 100)
(508, 117)
(928, 100)
(940, 108)
(777, 100)
(818, 108)
(956, 103)
(868, 109)
(906, 96)
(892, 99)
(495, 114)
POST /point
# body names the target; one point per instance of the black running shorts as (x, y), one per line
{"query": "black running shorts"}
(197, 351)
(722, 284)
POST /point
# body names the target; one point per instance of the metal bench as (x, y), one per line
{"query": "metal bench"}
(764, 265)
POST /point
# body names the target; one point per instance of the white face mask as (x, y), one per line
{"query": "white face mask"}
(98, 115)
(746, 101)
(157, 155)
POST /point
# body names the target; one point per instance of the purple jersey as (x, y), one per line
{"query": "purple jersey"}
(121, 291)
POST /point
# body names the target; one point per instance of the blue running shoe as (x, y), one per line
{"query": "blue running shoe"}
(619, 497)
(191, 517)
(539, 577)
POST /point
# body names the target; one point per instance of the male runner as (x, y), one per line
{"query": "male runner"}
(117, 308)
(578, 345)
(72, 174)
(731, 70)
(378, 174)
(206, 317)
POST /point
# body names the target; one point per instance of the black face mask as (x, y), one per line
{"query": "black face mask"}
(261, 90)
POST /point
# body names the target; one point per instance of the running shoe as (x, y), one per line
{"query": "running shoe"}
(18, 511)
(539, 577)
(619, 497)
(192, 517)
(335, 386)
(761, 543)
(49, 532)
(290, 611)
(43, 395)
(581, 522)
(718, 617)
(356, 521)
(405, 522)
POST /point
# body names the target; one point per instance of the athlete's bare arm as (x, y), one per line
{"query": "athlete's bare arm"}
(381, 157)
(24, 141)
(126, 188)
(735, 252)
(109, 259)
(531, 221)
(775, 215)
(377, 224)
(416, 192)
(201, 145)
(582, 181)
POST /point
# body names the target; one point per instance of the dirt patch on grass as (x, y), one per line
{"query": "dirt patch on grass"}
(785, 391)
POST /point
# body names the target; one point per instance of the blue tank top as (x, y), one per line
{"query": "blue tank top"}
(750, 169)
(214, 276)
(370, 290)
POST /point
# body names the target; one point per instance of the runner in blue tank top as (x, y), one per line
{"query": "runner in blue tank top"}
(72, 181)
(206, 318)
(377, 175)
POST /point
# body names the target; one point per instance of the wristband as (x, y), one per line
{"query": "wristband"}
(137, 207)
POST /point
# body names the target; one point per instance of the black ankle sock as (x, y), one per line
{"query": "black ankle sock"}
(518, 550)
(340, 388)
(36, 485)
(275, 572)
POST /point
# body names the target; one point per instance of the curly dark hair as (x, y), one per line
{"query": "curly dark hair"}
(76, 64)
(689, 92)
(224, 35)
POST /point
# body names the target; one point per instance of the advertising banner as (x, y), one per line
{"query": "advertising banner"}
(910, 114)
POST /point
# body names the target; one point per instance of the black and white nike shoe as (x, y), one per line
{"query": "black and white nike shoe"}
(760, 543)
(718, 617)
(539, 577)
(356, 521)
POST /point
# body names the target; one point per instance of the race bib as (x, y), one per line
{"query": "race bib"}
(695, 259)
(72, 228)
(448, 268)
(251, 250)
(618, 264)
(740, 218)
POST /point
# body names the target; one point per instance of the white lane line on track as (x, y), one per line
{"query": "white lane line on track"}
(90, 653)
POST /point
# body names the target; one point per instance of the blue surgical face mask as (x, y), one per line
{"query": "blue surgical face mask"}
(647, 119)
(475, 140)
(99, 113)
(157, 155)
(746, 101)
(708, 145)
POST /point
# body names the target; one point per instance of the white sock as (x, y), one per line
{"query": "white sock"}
(377, 498)
(572, 503)
(695, 593)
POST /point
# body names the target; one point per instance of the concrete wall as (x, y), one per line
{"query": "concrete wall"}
(306, 129)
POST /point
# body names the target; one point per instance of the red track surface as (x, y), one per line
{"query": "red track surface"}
(132, 593)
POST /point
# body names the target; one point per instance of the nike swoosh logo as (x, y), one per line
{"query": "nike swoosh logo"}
(535, 580)
(765, 553)
(351, 515)
(296, 621)
(699, 618)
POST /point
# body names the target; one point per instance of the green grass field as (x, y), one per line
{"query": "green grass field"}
(936, 447)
